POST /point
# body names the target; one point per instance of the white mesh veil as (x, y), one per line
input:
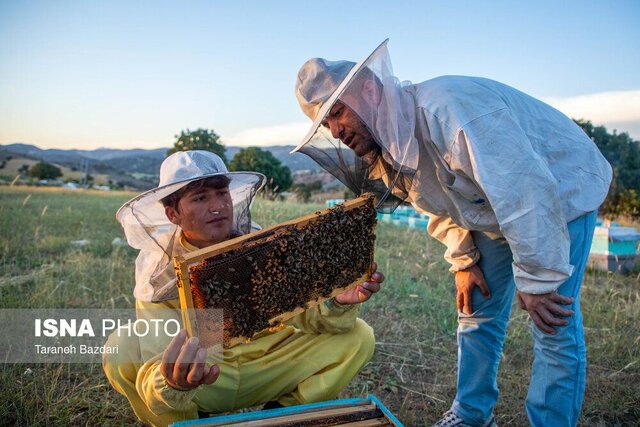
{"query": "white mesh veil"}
(148, 229)
(389, 116)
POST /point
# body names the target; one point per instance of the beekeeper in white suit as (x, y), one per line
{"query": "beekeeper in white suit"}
(511, 187)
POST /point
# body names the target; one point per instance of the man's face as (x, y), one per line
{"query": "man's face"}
(205, 216)
(345, 125)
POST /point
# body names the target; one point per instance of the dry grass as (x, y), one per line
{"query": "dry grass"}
(413, 370)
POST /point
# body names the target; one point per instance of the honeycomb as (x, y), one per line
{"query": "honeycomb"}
(284, 270)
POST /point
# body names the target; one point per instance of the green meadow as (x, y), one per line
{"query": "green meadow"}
(414, 317)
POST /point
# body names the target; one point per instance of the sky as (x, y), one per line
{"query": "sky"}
(122, 74)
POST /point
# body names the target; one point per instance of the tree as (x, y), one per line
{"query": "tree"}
(254, 159)
(306, 190)
(44, 170)
(199, 139)
(623, 153)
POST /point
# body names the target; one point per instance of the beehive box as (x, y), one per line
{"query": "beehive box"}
(342, 412)
(622, 241)
(261, 279)
(614, 248)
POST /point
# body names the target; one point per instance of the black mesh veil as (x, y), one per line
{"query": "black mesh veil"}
(358, 174)
(387, 112)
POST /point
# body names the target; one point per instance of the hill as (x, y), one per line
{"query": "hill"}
(134, 168)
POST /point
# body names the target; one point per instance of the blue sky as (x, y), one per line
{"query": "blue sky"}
(76, 74)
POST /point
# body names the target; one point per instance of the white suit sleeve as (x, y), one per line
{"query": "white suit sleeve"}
(523, 195)
(461, 251)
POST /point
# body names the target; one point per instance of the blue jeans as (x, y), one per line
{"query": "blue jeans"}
(559, 365)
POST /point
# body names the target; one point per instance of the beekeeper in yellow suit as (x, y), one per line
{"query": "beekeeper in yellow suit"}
(199, 203)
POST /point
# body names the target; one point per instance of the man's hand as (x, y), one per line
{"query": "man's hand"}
(363, 292)
(466, 280)
(545, 309)
(184, 364)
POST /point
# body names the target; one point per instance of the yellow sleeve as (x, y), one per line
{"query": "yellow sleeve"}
(327, 317)
(151, 385)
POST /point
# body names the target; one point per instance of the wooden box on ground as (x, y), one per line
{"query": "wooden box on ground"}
(261, 279)
(343, 412)
(614, 248)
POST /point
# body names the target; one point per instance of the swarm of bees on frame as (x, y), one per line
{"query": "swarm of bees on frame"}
(293, 267)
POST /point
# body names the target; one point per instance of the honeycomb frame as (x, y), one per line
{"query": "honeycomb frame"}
(299, 231)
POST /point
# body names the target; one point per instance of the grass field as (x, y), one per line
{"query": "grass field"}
(414, 317)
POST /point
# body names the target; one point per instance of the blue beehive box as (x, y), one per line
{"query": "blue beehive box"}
(333, 202)
(614, 248)
(368, 411)
(403, 215)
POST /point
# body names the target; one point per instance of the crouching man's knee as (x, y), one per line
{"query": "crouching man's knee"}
(362, 339)
(121, 367)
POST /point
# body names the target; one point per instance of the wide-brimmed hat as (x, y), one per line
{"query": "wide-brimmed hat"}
(389, 117)
(184, 167)
(177, 171)
(317, 80)
(319, 85)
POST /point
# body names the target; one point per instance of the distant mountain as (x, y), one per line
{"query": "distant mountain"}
(132, 161)
(139, 167)
(111, 153)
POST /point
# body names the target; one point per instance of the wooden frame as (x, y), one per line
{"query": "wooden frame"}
(363, 412)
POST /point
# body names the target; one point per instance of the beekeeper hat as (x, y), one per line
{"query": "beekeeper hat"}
(317, 79)
(144, 213)
(319, 84)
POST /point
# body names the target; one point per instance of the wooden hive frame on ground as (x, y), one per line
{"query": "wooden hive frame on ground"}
(264, 278)
(366, 412)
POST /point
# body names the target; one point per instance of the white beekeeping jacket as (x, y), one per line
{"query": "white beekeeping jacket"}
(506, 163)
